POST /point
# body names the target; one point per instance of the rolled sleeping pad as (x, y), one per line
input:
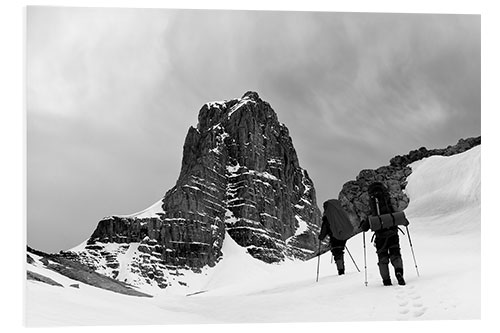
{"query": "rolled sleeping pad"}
(385, 221)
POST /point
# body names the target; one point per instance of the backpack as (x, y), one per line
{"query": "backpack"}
(338, 221)
(382, 214)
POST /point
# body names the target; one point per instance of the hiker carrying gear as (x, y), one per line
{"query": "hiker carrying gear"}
(337, 226)
(336, 245)
(386, 238)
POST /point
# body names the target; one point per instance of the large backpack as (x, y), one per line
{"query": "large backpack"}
(382, 214)
(340, 225)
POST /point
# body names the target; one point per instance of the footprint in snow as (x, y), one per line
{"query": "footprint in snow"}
(419, 312)
(406, 296)
(403, 302)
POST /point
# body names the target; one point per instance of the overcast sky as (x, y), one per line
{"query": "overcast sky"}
(111, 94)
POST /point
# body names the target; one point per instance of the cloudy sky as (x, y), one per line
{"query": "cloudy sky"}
(112, 92)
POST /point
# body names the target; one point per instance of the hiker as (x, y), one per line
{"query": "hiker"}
(337, 226)
(386, 239)
(336, 245)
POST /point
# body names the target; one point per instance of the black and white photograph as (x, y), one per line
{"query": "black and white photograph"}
(251, 166)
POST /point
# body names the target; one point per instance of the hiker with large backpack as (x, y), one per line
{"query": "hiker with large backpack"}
(337, 226)
(384, 221)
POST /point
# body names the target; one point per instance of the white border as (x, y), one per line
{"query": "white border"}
(12, 130)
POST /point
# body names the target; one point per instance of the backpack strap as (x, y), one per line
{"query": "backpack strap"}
(393, 220)
(388, 204)
(401, 231)
(377, 205)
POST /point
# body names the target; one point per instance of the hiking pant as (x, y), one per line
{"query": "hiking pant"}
(337, 247)
(388, 250)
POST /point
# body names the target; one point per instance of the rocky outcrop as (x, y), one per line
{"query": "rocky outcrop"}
(70, 267)
(41, 278)
(416, 155)
(354, 196)
(240, 176)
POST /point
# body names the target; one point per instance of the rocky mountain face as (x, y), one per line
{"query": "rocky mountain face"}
(354, 194)
(74, 270)
(240, 176)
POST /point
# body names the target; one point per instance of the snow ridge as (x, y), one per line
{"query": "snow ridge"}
(152, 211)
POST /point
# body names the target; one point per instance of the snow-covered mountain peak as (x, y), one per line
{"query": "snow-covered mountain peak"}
(240, 178)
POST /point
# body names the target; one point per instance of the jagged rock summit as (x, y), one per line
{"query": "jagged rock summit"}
(240, 178)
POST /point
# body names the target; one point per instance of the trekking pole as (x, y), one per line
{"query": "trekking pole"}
(352, 259)
(317, 272)
(364, 251)
(413, 254)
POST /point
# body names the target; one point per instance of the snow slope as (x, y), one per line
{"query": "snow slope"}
(151, 211)
(445, 217)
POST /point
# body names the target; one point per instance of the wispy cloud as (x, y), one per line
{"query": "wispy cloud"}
(101, 62)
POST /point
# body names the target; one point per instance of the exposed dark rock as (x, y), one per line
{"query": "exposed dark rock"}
(39, 277)
(29, 259)
(75, 270)
(354, 196)
(416, 155)
(75, 285)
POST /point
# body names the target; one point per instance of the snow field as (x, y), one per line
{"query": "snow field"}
(444, 215)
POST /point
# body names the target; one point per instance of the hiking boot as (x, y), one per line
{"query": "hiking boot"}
(387, 282)
(341, 272)
(401, 280)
